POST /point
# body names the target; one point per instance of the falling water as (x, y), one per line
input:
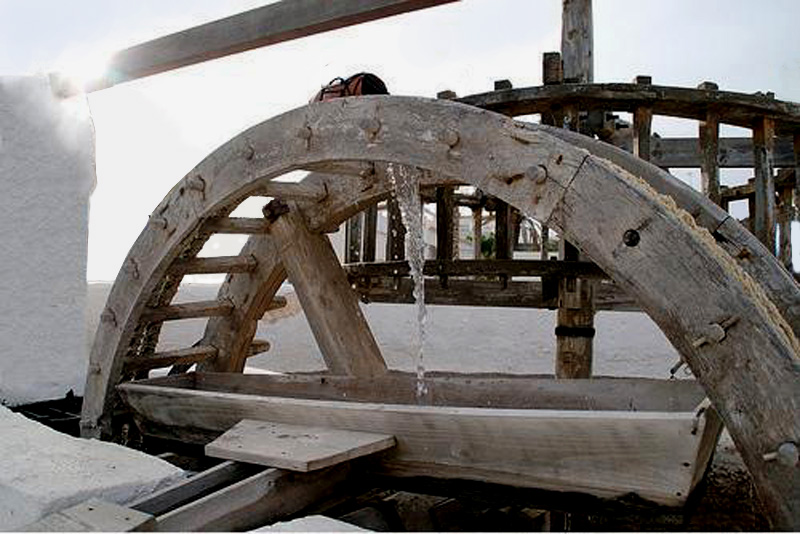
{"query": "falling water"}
(405, 180)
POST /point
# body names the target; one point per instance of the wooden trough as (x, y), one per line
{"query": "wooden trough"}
(607, 437)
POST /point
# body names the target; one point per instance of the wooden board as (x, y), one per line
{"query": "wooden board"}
(294, 447)
(603, 453)
(93, 516)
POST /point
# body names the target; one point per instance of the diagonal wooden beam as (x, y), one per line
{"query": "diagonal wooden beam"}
(263, 26)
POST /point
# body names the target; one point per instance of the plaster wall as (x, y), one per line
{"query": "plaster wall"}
(47, 173)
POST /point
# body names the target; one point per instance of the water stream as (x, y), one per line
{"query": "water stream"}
(405, 180)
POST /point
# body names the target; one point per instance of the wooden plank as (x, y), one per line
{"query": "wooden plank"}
(786, 211)
(193, 488)
(487, 390)
(93, 516)
(796, 150)
(263, 26)
(333, 313)
(577, 41)
(445, 213)
(602, 453)
(764, 216)
(237, 225)
(294, 447)
(708, 139)
(733, 152)
(477, 232)
(508, 268)
(503, 231)
(189, 310)
(642, 124)
(512, 294)
(158, 360)
(261, 499)
(215, 265)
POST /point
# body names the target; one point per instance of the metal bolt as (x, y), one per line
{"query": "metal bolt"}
(787, 454)
(108, 316)
(631, 238)
(450, 138)
(196, 182)
(537, 173)
(159, 221)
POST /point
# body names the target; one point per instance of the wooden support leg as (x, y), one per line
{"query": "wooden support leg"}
(445, 243)
(331, 307)
(352, 238)
(708, 137)
(574, 323)
(785, 210)
(477, 231)
(764, 217)
(642, 125)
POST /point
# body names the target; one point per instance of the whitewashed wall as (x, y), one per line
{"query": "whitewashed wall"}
(47, 173)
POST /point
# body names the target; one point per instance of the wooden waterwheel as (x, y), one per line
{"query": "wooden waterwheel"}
(726, 304)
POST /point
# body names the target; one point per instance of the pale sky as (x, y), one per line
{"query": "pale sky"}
(153, 131)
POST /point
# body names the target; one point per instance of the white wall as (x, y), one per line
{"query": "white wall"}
(47, 173)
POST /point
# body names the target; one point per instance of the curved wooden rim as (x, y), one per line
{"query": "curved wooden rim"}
(677, 273)
(738, 109)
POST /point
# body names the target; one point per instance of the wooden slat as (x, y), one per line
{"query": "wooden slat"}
(193, 488)
(215, 265)
(583, 269)
(477, 232)
(733, 152)
(294, 447)
(261, 499)
(237, 225)
(263, 26)
(642, 124)
(189, 310)
(333, 313)
(708, 139)
(764, 216)
(158, 360)
(784, 218)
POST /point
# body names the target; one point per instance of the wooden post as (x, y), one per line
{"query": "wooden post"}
(331, 307)
(642, 122)
(545, 239)
(577, 41)
(503, 231)
(395, 232)
(796, 146)
(477, 231)
(370, 233)
(575, 318)
(785, 212)
(445, 207)
(552, 74)
(708, 138)
(764, 216)
(352, 239)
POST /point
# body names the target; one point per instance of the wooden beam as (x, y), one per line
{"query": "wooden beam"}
(708, 143)
(261, 499)
(263, 26)
(577, 41)
(764, 216)
(445, 212)
(333, 313)
(785, 217)
(642, 124)
(158, 360)
(796, 150)
(185, 491)
(733, 152)
(352, 238)
(93, 516)
(216, 265)
(370, 233)
(189, 310)
(237, 225)
(477, 232)
(508, 268)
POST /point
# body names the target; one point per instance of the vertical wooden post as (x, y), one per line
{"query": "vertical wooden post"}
(764, 217)
(577, 41)
(370, 233)
(477, 231)
(331, 307)
(797, 170)
(445, 207)
(395, 232)
(545, 239)
(503, 231)
(708, 137)
(552, 74)
(352, 239)
(575, 318)
(642, 124)
(785, 212)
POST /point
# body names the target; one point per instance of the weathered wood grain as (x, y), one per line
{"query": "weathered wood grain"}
(188, 310)
(764, 216)
(577, 41)
(93, 516)
(215, 265)
(506, 267)
(294, 447)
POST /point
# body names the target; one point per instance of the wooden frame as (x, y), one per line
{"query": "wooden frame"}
(690, 283)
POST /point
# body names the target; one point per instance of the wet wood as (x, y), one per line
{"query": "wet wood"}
(353, 238)
(333, 313)
(237, 225)
(370, 233)
(396, 233)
